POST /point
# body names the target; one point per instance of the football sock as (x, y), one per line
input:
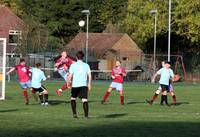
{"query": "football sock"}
(165, 99)
(162, 100)
(64, 87)
(122, 100)
(73, 105)
(34, 94)
(46, 97)
(174, 99)
(154, 97)
(85, 108)
(41, 98)
(106, 96)
(26, 95)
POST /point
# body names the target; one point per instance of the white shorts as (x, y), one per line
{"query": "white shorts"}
(117, 86)
(63, 73)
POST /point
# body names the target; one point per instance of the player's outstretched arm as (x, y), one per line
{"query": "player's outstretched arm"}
(154, 77)
(11, 70)
(89, 81)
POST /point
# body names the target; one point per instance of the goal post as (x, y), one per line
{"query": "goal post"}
(2, 67)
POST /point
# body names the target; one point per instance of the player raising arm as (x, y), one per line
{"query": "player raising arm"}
(159, 90)
(165, 75)
(37, 77)
(23, 72)
(118, 74)
(63, 62)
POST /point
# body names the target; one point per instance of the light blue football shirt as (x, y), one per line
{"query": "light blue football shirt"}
(80, 71)
(37, 77)
(165, 75)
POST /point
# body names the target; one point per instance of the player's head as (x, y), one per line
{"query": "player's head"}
(163, 63)
(79, 55)
(22, 61)
(64, 54)
(167, 64)
(118, 63)
(38, 65)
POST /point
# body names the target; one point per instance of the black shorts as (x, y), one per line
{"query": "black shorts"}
(164, 87)
(41, 89)
(81, 92)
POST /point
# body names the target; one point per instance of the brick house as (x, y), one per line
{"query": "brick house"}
(11, 28)
(107, 48)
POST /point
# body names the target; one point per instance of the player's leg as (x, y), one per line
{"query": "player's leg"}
(25, 92)
(34, 94)
(107, 93)
(172, 94)
(74, 95)
(154, 97)
(120, 89)
(84, 98)
(45, 95)
(64, 74)
(28, 84)
(165, 88)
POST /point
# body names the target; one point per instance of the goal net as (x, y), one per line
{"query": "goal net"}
(2, 67)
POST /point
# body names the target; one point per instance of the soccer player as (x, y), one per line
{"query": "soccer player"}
(63, 62)
(80, 74)
(37, 77)
(165, 75)
(159, 90)
(23, 72)
(118, 74)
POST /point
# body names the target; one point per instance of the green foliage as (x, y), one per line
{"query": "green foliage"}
(185, 20)
(135, 119)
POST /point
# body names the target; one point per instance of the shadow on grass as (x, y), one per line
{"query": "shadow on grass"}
(136, 102)
(115, 115)
(57, 102)
(181, 103)
(116, 129)
(8, 110)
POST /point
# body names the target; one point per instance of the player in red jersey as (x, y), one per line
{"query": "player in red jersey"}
(62, 64)
(118, 74)
(23, 72)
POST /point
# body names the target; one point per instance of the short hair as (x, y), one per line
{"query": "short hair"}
(80, 55)
(38, 65)
(22, 60)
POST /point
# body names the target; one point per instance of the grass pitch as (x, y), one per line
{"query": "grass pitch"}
(135, 119)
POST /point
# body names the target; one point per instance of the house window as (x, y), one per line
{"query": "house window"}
(125, 58)
(14, 37)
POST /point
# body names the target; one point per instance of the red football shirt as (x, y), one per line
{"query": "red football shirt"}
(117, 73)
(64, 63)
(23, 73)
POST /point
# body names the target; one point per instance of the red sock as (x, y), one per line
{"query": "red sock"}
(26, 95)
(64, 87)
(154, 97)
(174, 99)
(106, 96)
(122, 100)
(33, 91)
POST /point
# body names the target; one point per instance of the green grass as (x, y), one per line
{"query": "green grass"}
(135, 119)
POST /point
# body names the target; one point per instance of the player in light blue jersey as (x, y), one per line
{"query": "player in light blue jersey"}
(165, 75)
(159, 90)
(37, 77)
(81, 83)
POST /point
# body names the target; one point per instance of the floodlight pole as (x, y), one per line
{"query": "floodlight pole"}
(87, 13)
(169, 31)
(154, 11)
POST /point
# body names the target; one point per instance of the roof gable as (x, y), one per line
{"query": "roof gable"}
(9, 20)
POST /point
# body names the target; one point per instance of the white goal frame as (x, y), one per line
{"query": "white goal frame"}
(3, 69)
